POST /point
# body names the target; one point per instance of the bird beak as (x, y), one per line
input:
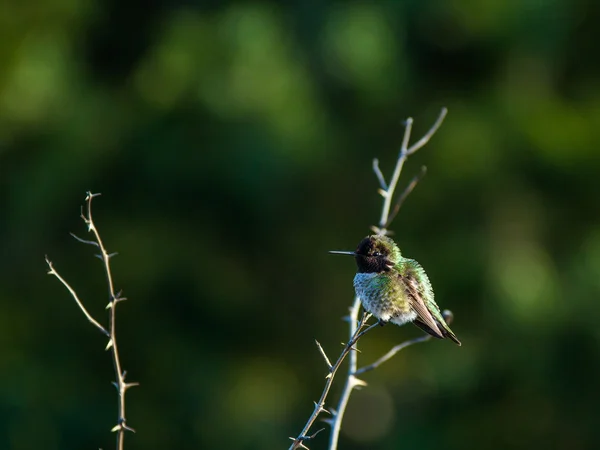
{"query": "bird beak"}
(337, 252)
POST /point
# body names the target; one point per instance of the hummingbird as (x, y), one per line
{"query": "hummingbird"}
(396, 289)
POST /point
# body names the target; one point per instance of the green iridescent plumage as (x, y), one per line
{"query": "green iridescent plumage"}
(396, 289)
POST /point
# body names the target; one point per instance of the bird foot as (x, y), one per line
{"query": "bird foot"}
(381, 322)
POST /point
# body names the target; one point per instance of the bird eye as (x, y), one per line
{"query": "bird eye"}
(377, 254)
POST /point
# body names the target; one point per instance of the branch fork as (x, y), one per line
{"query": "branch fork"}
(359, 328)
(110, 331)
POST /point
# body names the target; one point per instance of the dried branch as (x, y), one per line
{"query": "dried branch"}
(448, 316)
(329, 366)
(359, 332)
(88, 316)
(405, 152)
(357, 328)
(405, 194)
(120, 384)
(387, 192)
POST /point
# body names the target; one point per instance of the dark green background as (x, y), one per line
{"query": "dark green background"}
(232, 144)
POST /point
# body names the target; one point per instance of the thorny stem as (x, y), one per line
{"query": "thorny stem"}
(447, 317)
(351, 380)
(356, 326)
(120, 384)
(387, 192)
(359, 332)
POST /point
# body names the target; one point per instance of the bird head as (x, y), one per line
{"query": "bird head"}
(375, 254)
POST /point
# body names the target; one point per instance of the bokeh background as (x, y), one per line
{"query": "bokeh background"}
(232, 144)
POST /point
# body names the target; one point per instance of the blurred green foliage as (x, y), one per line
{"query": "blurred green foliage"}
(232, 143)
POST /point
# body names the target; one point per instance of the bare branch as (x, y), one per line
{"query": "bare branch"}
(448, 316)
(405, 194)
(360, 331)
(88, 316)
(359, 328)
(392, 352)
(387, 192)
(111, 333)
(405, 152)
(299, 441)
(425, 139)
(379, 175)
(83, 241)
(323, 354)
(350, 383)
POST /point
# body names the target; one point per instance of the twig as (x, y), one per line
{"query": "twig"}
(120, 384)
(323, 354)
(88, 316)
(405, 194)
(379, 175)
(359, 332)
(387, 192)
(447, 317)
(351, 381)
(405, 152)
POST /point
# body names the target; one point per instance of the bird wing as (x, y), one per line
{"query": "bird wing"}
(418, 289)
(429, 317)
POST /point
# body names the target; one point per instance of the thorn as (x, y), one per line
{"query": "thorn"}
(328, 375)
(374, 229)
(84, 241)
(109, 345)
(320, 408)
(352, 347)
(109, 305)
(124, 374)
(110, 255)
(115, 428)
(383, 193)
(298, 442)
(128, 428)
(99, 257)
(115, 384)
(328, 421)
(358, 382)
(130, 385)
(323, 354)
(346, 319)
(312, 436)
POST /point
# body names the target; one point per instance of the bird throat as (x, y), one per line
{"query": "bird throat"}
(372, 264)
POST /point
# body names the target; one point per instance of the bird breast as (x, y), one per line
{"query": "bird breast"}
(383, 297)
